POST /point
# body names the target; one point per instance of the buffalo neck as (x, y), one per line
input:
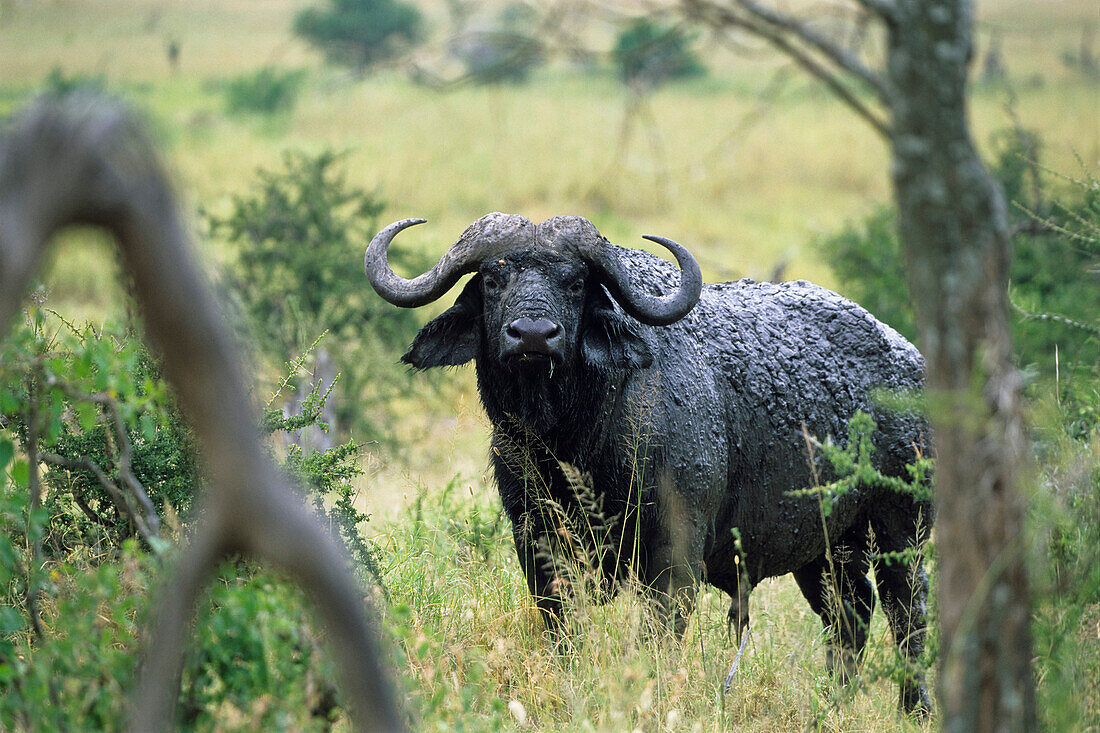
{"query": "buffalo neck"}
(563, 406)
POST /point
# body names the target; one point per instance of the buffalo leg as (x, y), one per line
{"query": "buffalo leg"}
(840, 593)
(544, 585)
(671, 571)
(903, 590)
(533, 492)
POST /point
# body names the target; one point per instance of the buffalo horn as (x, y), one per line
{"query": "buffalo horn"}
(486, 237)
(649, 309)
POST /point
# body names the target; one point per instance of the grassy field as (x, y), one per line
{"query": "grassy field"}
(746, 178)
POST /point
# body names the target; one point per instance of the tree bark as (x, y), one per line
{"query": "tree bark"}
(955, 236)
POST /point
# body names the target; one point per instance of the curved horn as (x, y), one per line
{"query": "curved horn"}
(488, 236)
(649, 309)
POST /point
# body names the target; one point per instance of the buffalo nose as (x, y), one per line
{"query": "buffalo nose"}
(532, 335)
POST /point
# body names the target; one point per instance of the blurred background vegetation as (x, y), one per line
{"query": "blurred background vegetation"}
(293, 134)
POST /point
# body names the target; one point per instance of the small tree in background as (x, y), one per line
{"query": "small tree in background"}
(505, 52)
(301, 233)
(265, 91)
(647, 54)
(360, 33)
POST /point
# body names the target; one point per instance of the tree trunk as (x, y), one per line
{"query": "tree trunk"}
(955, 236)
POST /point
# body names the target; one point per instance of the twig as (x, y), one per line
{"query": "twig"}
(1086, 327)
(842, 58)
(90, 513)
(146, 519)
(736, 661)
(724, 18)
(125, 508)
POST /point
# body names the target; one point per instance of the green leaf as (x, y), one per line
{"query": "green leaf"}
(10, 620)
(148, 427)
(7, 452)
(9, 403)
(87, 415)
(21, 474)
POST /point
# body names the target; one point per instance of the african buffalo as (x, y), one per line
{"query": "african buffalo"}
(681, 421)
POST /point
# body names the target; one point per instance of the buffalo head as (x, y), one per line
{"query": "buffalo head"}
(542, 296)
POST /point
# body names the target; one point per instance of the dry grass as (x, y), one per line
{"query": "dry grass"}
(474, 644)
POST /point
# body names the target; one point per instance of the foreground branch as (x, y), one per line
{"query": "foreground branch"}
(80, 159)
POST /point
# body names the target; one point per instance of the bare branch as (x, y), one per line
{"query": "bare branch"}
(722, 17)
(125, 507)
(90, 513)
(885, 9)
(147, 516)
(839, 56)
(125, 468)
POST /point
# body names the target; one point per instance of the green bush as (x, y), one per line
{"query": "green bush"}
(648, 53)
(74, 593)
(299, 238)
(360, 33)
(105, 420)
(1056, 296)
(58, 83)
(265, 91)
(255, 657)
(257, 660)
(1053, 275)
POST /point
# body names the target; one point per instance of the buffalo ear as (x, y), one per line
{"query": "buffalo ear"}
(610, 340)
(452, 338)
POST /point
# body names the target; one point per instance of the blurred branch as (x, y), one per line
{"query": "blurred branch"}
(885, 9)
(83, 159)
(839, 56)
(785, 34)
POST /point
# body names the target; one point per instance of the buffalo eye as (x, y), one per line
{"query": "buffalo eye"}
(576, 286)
(491, 283)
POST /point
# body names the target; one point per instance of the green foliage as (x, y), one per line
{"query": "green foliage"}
(854, 469)
(300, 234)
(360, 33)
(266, 91)
(866, 258)
(1053, 273)
(67, 666)
(648, 53)
(98, 402)
(58, 83)
(70, 622)
(1056, 298)
(1064, 517)
(328, 476)
(256, 659)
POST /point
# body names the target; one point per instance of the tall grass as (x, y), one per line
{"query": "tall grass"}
(475, 645)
